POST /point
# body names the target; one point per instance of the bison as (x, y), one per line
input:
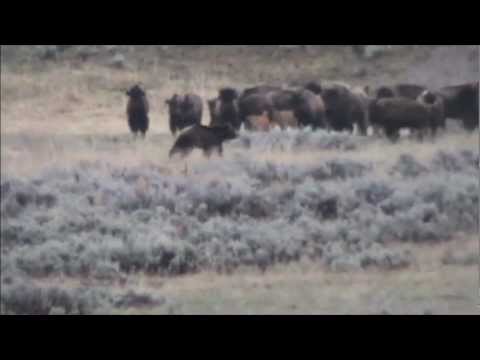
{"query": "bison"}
(315, 87)
(137, 110)
(253, 106)
(461, 102)
(262, 89)
(224, 109)
(213, 109)
(394, 114)
(409, 91)
(345, 108)
(184, 111)
(436, 106)
(309, 109)
(283, 108)
(206, 138)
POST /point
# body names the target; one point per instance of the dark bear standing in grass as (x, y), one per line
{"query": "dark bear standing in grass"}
(137, 110)
(394, 114)
(184, 111)
(201, 137)
(461, 102)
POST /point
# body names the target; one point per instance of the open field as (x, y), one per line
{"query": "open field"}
(294, 222)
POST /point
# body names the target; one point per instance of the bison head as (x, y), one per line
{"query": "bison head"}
(136, 92)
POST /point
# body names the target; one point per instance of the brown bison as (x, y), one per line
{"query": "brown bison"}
(283, 108)
(436, 106)
(184, 111)
(315, 87)
(345, 108)
(409, 91)
(206, 138)
(224, 110)
(213, 109)
(262, 89)
(253, 106)
(394, 114)
(461, 102)
(137, 110)
(309, 109)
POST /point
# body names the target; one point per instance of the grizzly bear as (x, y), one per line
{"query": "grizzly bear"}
(206, 138)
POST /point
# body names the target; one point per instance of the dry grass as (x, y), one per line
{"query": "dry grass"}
(308, 288)
(66, 115)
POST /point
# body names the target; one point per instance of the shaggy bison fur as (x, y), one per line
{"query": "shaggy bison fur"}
(461, 102)
(184, 111)
(137, 110)
(309, 109)
(224, 110)
(255, 105)
(400, 113)
(262, 89)
(436, 106)
(345, 108)
(409, 91)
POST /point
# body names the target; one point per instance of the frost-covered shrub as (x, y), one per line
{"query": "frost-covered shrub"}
(26, 298)
(299, 140)
(408, 167)
(104, 221)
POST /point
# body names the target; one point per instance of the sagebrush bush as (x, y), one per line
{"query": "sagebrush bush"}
(103, 221)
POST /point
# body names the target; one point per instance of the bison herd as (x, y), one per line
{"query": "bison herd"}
(332, 106)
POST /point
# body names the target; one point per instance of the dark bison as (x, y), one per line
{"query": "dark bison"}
(345, 108)
(314, 86)
(137, 110)
(309, 109)
(261, 89)
(253, 106)
(283, 108)
(224, 109)
(461, 102)
(394, 114)
(409, 91)
(436, 106)
(184, 111)
(206, 138)
(213, 109)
